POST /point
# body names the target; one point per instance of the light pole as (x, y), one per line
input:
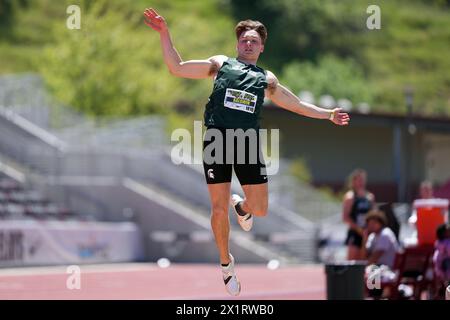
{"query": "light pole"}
(410, 129)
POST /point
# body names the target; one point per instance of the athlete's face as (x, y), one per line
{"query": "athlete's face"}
(249, 45)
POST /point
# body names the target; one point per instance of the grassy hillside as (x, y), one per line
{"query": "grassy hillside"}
(113, 65)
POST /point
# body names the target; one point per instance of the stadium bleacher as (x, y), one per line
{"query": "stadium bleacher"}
(18, 202)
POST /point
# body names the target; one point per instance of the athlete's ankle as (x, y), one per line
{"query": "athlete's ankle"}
(239, 209)
(225, 262)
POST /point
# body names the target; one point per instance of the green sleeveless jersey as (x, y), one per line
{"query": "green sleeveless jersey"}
(237, 96)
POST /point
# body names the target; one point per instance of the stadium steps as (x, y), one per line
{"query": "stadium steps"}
(254, 241)
(181, 183)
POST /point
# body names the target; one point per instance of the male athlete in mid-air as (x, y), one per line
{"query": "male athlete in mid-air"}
(240, 87)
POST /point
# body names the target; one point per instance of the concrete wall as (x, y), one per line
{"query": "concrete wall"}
(437, 148)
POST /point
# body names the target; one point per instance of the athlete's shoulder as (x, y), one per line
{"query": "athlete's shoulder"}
(271, 77)
(217, 62)
(218, 59)
(272, 80)
(349, 195)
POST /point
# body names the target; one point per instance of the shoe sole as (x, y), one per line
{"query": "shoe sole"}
(237, 279)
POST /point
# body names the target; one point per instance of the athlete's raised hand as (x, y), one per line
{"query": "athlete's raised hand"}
(154, 20)
(339, 117)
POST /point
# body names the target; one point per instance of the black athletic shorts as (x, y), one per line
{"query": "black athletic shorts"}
(228, 149)
(353, 238)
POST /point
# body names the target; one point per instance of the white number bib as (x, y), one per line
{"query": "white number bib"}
(240, 100)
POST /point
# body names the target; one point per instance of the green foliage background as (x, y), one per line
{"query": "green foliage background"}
(113, 66)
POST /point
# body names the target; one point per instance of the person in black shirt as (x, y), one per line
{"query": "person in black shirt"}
(357, 202)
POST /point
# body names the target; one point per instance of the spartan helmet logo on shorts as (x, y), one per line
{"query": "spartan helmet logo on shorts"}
(210, 173)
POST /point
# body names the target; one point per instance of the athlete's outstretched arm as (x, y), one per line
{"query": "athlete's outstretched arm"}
(284, 98)
(195, 69)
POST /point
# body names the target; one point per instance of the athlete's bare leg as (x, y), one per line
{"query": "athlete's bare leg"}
(220, 194)
(256, 199)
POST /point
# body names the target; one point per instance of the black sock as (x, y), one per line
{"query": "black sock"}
(239, 210)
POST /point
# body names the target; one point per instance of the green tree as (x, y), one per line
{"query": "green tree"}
(305, 29)
(337, 77)
(113, 65)
(8, 10)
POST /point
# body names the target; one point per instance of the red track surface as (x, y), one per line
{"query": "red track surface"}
(148, 281)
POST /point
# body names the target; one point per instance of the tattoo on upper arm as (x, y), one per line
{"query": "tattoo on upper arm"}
(272, 87)
(285, 92)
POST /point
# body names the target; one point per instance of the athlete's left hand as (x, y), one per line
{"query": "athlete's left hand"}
(340, 118)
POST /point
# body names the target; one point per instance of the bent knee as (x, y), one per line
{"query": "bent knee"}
(259, 210)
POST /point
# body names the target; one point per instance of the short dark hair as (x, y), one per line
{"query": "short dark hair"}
(378, 216)
(246, 25)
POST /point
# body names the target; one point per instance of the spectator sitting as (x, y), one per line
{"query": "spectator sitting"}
(380, 244)
(380, 248)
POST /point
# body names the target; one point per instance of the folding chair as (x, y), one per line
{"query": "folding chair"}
(411, 268)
